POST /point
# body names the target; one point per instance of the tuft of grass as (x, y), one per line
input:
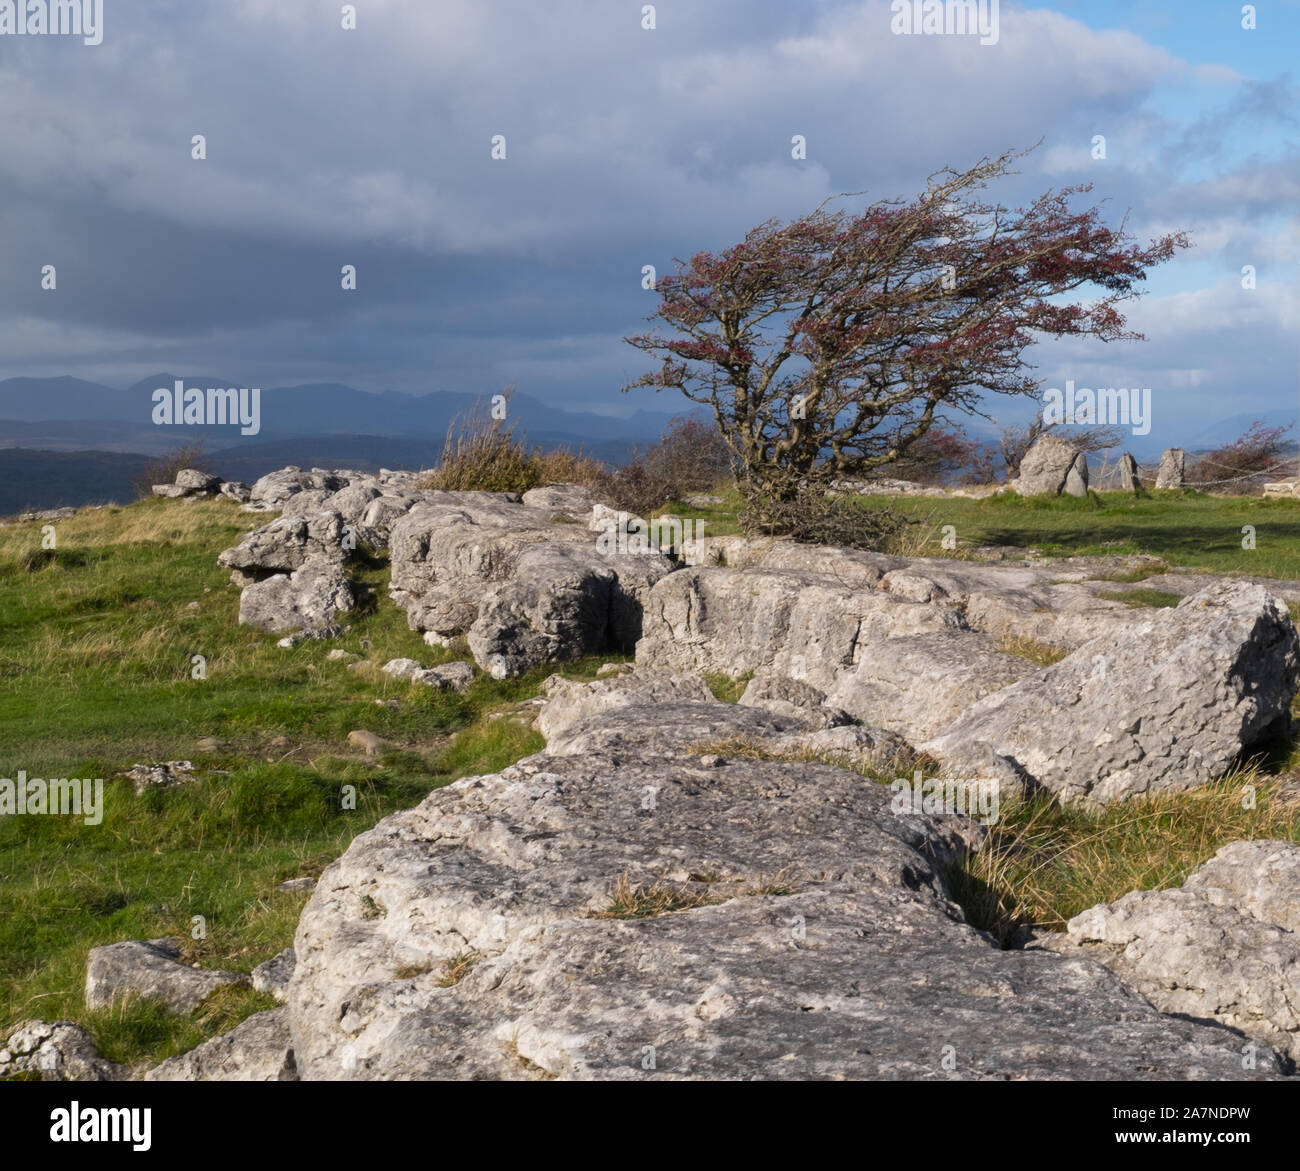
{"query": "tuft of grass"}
(1132, 576)
(1044, 863)
(1156, 599)
(457, 967)
(226, 1007)
(783, 883)
(540, 1074)
(726, 688)
(1041, 653)
(881, 770)
(638, 901)
(145, 1031)
(480, 453)
(732, 746)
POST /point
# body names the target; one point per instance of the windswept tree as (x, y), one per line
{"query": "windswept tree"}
(826, 347)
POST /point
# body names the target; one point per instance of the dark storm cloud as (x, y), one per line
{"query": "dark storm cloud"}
(625, 148)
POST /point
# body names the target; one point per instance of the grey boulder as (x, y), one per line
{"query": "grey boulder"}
(1223, 947)
(150, 970)
(447, 677)
(478, 936)
(1164, 706)
(274, 489)
(521, 588)
(571, 500)
(272, 977)
(1052, 466)
(1127, 473)
(194, 480)
(1172, 472)
(309, 599)
(286, 544)
(55, 1051)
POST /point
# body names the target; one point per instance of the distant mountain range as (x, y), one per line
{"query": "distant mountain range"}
(1233, 427)
(61, 413)
(66, 441)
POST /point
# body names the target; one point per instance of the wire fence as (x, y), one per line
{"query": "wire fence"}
(1145, 474)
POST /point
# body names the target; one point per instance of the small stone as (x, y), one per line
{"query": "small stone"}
(367, 740)
(448, 677)
(150, 970)
(159, 776)
(401, 668)
(193, 480)
(273, 976)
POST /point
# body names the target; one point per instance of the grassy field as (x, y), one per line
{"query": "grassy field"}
(97, 639)
(97, 643)
(1185, 528)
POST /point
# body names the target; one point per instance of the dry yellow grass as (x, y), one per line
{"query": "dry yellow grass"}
(1043, 864)
(1041, 653)
(638, 901)
(149, 522)
(457, 967)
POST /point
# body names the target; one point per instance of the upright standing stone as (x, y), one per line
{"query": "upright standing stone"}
(1052, 466)
(1172, 468)
(1076, 479)
(1128, 473)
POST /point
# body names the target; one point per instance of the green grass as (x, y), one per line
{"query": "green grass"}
(1156, 599)
(96, 643)
(727, 689)
(1186, 528)
(1041, 654)
(1044, 864)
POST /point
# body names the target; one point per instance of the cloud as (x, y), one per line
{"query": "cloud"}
(625, 147)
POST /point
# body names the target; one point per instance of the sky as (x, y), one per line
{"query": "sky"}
(625, 146)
